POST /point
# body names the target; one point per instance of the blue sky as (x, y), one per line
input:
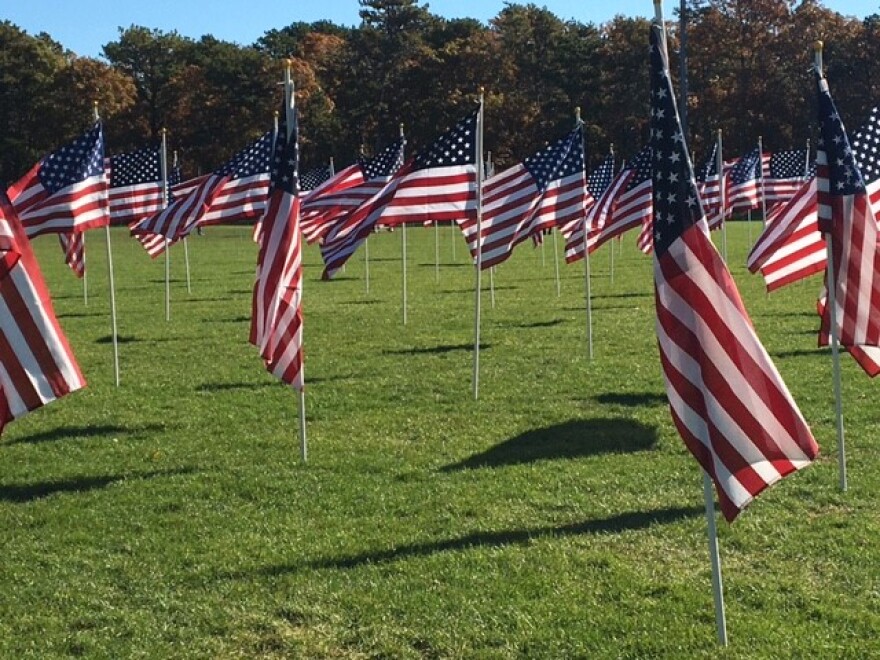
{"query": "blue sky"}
(84, 26)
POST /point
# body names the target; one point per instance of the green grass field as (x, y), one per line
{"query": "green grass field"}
(559, 516)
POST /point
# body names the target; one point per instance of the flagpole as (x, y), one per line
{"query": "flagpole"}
(403, 251)
(454, 237)
(719, 169)
(367, 264)
(85, 277)
(436, 252)
(763, 193)
(331, 167)
(185, 244)
(113, 326)
(492, 285)
(164, 163)
(479, 263)
(831, 276)
(587, 293)
(715, 559)
(611, 151)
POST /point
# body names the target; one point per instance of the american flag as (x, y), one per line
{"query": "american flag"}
(784, 172)
(334, 205)
(627, 202)
(727, 399)
(314, 177)
(276, 318)
(36, 363)
(791, 247)
(544, 191)
(846, 213)
(709, 187)
(744, 181)
(66, 190)
(73, 246)
(135, 185)
(598, 180)
(439, 183)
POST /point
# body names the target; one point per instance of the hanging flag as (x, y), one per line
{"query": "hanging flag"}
(846, 213)
(547, 189)
(74, 247)
(276, 316)
(66, 190)
(36, 363)
(135, 185)
(439, 183)
(727, 399)
(744, 184)
(709, 187)
(332, 206)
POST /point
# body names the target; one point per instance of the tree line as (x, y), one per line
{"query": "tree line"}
(748, 74)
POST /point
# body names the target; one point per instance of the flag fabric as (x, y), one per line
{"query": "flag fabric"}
(791, 247)
(276, 317)
(598, 180)
(73, 246)
(744, 181)
(709, 187)
(314, 177)
(135, 185)
(727, 399)
(783, 173)
(547, 189)
(36, 363)
(375, 173)
(846, 213)
(66, 190)
(439, 183)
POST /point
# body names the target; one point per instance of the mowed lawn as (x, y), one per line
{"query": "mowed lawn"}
(559, 516)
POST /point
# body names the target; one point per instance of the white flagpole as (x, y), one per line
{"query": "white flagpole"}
(479, 262)
(556, 261)
(164, 163)
(367, 264)
(587, 293)
(611, 244)
(719, 170)
(715, 559)
(290, 112)
(436, 252)
(492, 286)
(763, 194)
(85, 277)
(403, 253)
(831, 276)
(454, 239)
(332, 167)
(185, 243)
(113, 327)
(543, 256)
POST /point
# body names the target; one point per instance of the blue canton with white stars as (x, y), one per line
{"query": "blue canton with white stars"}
(600, 178)
(285, 161)
(252, 160)
(457, 146)
(386, 162)
(558, 160)
(788, 164)
(141, 166)
(746, 168)
(844, 177)
(642, 163)
(866, 147)
(314, 177)
(74, 162)
(676, 201)
(710, 167)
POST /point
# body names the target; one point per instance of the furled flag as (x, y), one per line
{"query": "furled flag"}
(439, 183)
(784, 172)
(709, 187)
(791, 247)
(545, 190)
(234, 191)
(66, 190)
(727, 399)
(334, 205)
(598, 181)
(276, 316)
(74, 247)
(36, 363)
(135, 185)
(846, 213)
(744, 186)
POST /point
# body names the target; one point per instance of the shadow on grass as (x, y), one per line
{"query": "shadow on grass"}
(228, 387)
(23, 493)
(95, 431)
(340, 278)
(234, 319)
(536, 324)
(447, 265)
(436, 350)
(360, 302)
(120, 339)
(498, 287)
(623, 295)
(79, 315)
(623, 522)
(812, 352)
(570, 439)
(631, 399)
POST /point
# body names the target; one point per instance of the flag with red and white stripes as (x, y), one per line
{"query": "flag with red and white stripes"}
(276, 316)
(439, 183)
(66, 190)
(784, 172)
(36, 363)
(846, 213)
(546, 190)
(135, 185)
(73, 246)
(728, 401)
(709, 187)
(337, 202)
(744, 183)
